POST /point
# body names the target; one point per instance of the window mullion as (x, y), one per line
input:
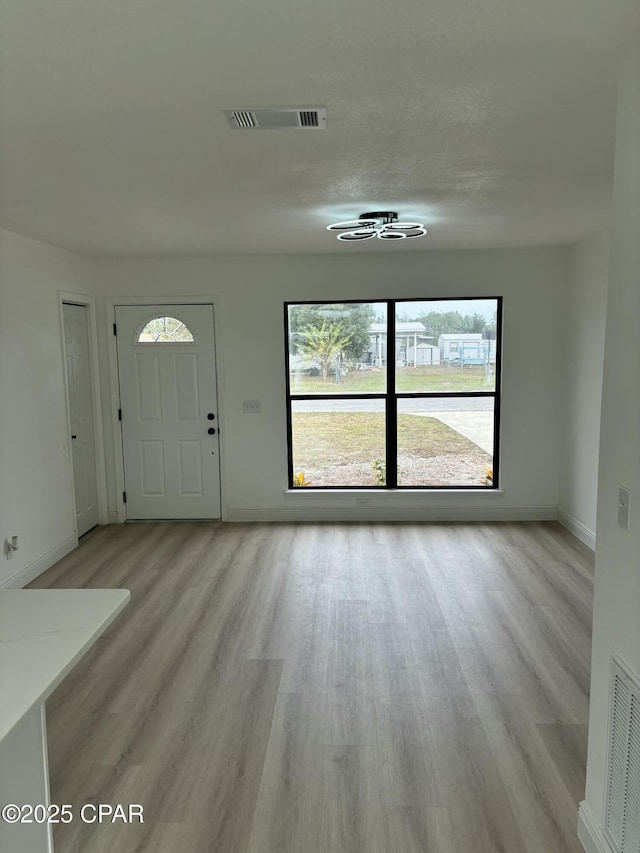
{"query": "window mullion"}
(391, 438)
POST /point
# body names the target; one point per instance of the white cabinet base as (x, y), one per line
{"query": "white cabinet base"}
(43, 634)
(24, 779)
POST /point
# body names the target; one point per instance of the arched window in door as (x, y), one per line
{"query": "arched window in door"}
(165, 330)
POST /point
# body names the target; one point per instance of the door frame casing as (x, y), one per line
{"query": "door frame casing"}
(114, 385)
(89, 303)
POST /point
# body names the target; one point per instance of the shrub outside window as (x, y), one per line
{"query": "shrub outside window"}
(420, 413)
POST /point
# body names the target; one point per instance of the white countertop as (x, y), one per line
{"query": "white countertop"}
(43, 634)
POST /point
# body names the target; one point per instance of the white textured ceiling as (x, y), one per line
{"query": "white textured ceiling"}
(490, 120)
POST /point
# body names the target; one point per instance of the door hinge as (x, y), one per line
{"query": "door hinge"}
(124, 497)
(119, 414)
(114, 329)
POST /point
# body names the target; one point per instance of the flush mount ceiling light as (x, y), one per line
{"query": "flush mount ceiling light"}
(381, 224)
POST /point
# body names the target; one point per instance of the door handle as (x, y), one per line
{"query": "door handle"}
(211, 431)
(210, 416)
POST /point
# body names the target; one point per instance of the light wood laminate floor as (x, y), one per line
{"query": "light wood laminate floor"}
(329, 688)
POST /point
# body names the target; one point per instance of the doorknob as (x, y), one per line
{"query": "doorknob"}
(211, 431)
(210, 416)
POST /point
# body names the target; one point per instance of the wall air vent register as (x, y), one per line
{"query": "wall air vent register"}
(622, 811)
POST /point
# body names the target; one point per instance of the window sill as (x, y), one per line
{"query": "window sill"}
(373, 496)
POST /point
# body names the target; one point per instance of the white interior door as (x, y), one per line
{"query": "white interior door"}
(76, 349)
(166, 365)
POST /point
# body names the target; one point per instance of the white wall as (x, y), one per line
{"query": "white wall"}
(583, 340)
(36, 491)
(617, 592)
(250, 293)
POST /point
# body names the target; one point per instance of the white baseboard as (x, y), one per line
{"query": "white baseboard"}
(579, 530)
(590, 834)
(31, 572)
(382, 513)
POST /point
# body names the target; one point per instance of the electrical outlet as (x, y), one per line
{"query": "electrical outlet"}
(624, 507)
(251, 407)
(362, 502)
(11, 546)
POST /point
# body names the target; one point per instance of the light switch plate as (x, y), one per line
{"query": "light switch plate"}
(624, 507)
(251, 407)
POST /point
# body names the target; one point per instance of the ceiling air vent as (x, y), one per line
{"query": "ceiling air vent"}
(308, 118)
(277, 119)
(243, 118)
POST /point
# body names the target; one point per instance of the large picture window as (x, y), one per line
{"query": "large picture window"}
(394, 394)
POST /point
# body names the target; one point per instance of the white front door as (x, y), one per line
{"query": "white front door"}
(76, 351)
(166, 365)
